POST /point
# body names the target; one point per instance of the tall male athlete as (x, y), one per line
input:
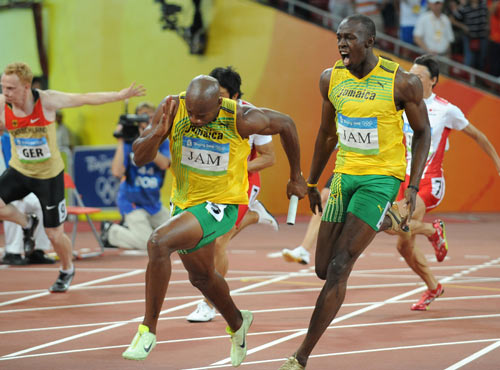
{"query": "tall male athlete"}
(363, 101)
(209, 167)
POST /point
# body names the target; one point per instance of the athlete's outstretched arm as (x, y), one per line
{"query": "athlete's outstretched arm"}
(53, 100)
(326, 141)
(408, 94)
(146, 146)
(484, 143)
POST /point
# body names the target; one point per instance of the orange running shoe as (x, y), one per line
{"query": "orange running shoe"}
(438, 240)
(427, 298)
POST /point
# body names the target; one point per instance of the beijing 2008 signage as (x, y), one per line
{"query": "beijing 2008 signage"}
(92, 175)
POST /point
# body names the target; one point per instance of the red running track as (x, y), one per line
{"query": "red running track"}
(89, 326)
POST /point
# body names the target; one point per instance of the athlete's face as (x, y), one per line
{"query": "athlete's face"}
(14, 90)
(353, 43)
(225, 94)
(202, 113)
(425, 77)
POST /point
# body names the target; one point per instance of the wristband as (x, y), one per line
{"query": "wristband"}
(413, 187)
(312, 185)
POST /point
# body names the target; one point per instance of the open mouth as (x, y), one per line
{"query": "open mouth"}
(345, 58)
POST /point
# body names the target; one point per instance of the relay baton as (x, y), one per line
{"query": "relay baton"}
(292, 210)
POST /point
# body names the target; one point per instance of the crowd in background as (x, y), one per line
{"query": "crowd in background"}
(467, 31)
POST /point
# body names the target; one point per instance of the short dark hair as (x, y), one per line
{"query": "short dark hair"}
(368, 24)
(429, 61)
(229, 79)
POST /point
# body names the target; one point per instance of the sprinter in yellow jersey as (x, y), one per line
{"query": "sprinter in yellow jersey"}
(363, 99)
(208, 143)
(36, 165)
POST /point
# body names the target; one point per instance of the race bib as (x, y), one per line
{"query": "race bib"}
(32, 150)
(358, 135)
(216, 210)
(204, 156)
(438, 187)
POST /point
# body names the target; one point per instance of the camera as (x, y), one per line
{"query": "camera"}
(130, 126)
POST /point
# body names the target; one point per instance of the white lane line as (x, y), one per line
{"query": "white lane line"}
(274, 255)
(363, 310)
(474, 356)
(374, 350)
(97, 281)
(262, 292)
(279, 310)
(113, 326)
(217, 337)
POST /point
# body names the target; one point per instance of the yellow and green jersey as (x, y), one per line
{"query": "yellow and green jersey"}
(369, 126)
(209, 163)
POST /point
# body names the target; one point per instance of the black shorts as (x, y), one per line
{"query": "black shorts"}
(50, 192)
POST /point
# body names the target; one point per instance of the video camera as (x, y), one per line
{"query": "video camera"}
(130, 126)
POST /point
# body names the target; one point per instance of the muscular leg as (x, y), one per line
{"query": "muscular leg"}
(413, 256)
(203, 275)
(10, 213)
(180, 232)
(62, 245)
(341, 245)
(250, 218)
(221, 260)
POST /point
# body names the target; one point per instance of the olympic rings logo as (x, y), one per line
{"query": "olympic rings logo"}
(106, 189)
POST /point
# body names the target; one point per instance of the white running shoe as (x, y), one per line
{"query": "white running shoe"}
(299, 254)
(265, 217)
(203, 313)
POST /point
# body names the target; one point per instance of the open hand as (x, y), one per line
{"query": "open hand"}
(167, 117)
(132, 91)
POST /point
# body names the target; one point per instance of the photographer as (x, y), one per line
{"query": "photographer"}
(138, 197)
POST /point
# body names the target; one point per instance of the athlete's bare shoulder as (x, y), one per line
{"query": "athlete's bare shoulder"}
(324, 81)
(407, 87)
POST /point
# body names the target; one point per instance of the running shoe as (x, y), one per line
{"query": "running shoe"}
(291, 364)
(13, 259)
(265, 217)
(28, 239)
(438, 240)
(141, 346)
(238, 339)
(105, 226)
(299, 254)
(203, 313)
(38, 257)
(63, 282)
(427, 298)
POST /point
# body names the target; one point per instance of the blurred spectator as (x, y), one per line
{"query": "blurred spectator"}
(409, 12)
(372, 9)
(341, 8)
(471, 16)
(389, 17)
(494, 45)
(138, 197)
(433, 32)
(63, 134)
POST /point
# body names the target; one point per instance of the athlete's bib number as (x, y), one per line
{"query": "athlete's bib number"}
(358, 135)
(216, 210)
(205, 156)
(438, 187)
(32, 150)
